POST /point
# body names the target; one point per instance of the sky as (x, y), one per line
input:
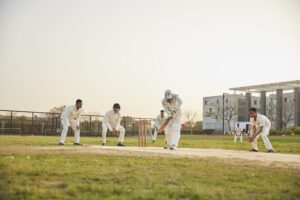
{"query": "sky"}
(130, 51)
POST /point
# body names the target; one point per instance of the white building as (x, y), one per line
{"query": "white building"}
(236, 110)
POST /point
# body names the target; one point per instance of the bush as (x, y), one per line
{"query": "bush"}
(208, 131)
(295, 130)
(188, 132)
(273, 132)
(290, 131)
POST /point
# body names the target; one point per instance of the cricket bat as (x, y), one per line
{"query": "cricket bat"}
(163, 126)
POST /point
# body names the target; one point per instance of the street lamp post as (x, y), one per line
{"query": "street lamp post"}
(224, 113)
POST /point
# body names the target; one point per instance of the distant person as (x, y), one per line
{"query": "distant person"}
(112, 122)
(238, 133)
(172, 106)
(159, 120)
(70, 118)
(261, 125)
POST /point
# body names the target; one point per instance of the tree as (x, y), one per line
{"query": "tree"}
(217, 112)
(287, 113)
(58, 109)
(190, 118)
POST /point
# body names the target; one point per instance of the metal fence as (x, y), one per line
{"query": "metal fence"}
(47, 123)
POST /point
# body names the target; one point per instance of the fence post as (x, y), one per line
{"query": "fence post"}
(90, 124)
(32, 124)
(11, 118)
(52, 123)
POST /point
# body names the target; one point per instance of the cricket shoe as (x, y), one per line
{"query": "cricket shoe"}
(103, 144)
(120, 144)
(253, 150)
(173, 147)
(61, 143)
(270, 151)
(76, 143)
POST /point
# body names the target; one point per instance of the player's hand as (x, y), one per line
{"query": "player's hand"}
(78, 127)
(115, 132)
(251, 139)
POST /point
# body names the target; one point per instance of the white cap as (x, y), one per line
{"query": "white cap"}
(168, 94)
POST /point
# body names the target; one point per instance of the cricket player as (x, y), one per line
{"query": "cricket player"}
(159, 120)
(238, 133)
(70, 118)
(261, 127)
(112, 121)
(172, 106)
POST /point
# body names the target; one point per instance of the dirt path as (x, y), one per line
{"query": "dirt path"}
(260, 157)
(219, 153)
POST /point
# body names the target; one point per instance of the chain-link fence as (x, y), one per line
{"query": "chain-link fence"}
(45, 123)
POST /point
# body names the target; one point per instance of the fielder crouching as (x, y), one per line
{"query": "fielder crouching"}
(112, 121)
(159, 120)
(71, 118)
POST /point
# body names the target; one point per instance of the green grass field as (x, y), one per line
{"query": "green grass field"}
(287, 144)
(61, 175)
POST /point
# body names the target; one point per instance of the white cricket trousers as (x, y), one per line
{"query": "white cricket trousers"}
(236, 137)
(264, 135)
(154, 137)
(104, 132)
(64, 131)
(172, 131)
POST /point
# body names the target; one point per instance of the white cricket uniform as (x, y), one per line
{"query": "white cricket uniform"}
(238, 133)
(70, 117)
(112, 121)
(158, 122)
(261, 121)
(174, 126)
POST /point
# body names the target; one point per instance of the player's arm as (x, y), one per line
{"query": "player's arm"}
(257, 133)
(78, 121)
(167, 108)
(157, 123)
(118, 124)
(106, 122)
(179, 101)
(65, 114)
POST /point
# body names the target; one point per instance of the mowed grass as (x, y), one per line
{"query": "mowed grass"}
(282, 144)
(61, 175)
(117, 177)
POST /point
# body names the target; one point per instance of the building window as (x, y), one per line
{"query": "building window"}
(226, 100)
(285, 100)
(217, 101)
(205, 103)
(210, 109)
(255, 102)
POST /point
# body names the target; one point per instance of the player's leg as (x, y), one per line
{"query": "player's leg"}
(73, 124)
(155, 133)
(264, 136)
(254, 143)
(168, 133)
(235, 138)
(176, 126)
(104, 132)
(63, 132)
(241, 138)
(121, 136)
